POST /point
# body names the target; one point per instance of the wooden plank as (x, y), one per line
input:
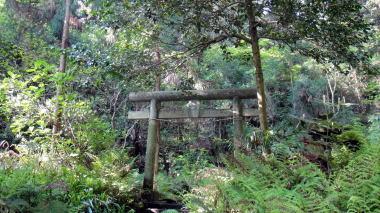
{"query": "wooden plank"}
(218, 94)
(188, 113)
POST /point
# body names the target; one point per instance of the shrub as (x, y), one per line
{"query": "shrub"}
(40, 184)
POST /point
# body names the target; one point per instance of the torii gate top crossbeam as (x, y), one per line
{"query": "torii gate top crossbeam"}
(218, 94)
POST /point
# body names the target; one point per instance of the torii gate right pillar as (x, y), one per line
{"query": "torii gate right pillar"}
(237, 108)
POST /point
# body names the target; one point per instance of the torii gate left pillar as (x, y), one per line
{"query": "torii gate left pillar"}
(154, 115)
(150, 156)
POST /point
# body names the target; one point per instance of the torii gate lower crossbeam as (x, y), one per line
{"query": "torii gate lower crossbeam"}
(155, 114)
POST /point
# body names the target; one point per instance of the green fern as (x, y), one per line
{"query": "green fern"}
(357, 187)
(270, 186)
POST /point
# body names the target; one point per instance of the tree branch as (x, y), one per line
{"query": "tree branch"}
(206, 44)
(242, 37)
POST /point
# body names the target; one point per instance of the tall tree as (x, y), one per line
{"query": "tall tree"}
(326, 30)
(62, 69)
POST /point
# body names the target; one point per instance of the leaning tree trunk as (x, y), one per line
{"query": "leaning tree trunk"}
(263, 116)
(62, 68)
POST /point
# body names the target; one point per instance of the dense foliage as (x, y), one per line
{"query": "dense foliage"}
(320, 62)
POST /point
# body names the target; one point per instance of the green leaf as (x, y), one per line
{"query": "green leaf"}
(11, 74)
(39, 63)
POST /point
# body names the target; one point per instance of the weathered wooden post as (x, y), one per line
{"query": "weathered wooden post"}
(150, 157)
(238, 124)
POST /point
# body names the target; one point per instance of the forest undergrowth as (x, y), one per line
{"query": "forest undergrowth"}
(68, 177)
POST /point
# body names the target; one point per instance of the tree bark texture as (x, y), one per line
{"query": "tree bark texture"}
(62, 68)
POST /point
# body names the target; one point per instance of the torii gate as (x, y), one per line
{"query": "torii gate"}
(154, 114)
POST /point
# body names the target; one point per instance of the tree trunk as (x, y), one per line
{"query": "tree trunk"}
(263, 116)
(62, 68)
